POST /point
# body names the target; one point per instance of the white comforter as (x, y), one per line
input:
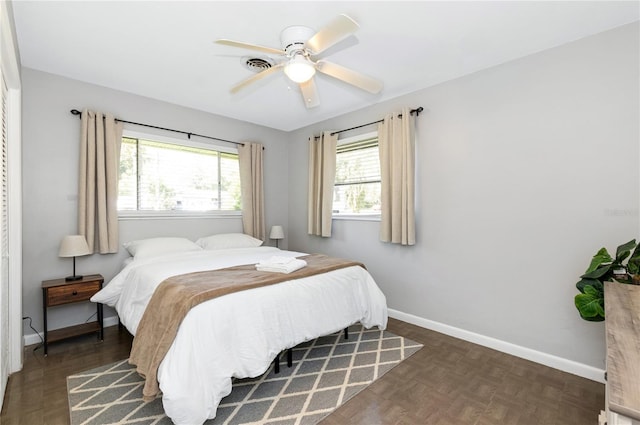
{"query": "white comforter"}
(238, 335)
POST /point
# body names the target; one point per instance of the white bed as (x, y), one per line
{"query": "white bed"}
(239, 334)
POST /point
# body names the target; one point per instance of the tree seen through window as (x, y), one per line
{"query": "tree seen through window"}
(158, 176)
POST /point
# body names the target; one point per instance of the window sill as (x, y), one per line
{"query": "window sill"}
(357, 217)
(163, 215)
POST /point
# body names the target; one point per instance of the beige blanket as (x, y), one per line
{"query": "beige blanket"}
(175, 296)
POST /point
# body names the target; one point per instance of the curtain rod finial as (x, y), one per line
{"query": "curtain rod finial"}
(76, 112)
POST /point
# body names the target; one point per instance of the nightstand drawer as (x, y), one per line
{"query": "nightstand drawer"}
(71, 293)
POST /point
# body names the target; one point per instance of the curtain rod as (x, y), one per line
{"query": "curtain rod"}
(189, 134)
(416, 111)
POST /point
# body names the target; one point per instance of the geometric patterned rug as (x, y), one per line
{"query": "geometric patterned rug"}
(326, 372)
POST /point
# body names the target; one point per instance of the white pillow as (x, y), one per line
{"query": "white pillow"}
(152, 247)
(228, 241)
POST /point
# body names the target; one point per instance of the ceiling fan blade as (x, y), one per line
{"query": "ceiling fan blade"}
(350, 76)
(249, 46)
(259, 76)
(337, 30)
(310, 94)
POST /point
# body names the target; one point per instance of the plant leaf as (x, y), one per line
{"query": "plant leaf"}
(594, 319)
(601, 257)
(584, 282)
(633, 265)
(598, 273)
(624, 250)
(590, 305)
(590, 290)
(599, 286)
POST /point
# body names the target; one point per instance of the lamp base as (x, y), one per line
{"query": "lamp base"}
(73, 278)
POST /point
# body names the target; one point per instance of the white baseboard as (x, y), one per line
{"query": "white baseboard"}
(550, 360)
(32, 338)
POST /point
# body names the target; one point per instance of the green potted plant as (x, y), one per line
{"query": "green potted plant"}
(624, 268)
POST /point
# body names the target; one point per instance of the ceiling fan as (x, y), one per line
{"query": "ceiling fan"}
(300, 46)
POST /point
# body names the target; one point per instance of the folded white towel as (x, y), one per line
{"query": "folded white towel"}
(288, 267)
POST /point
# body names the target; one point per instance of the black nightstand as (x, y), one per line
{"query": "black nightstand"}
(59, 292)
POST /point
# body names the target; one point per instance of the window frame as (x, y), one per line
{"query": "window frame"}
(357, 216)
(173, 214)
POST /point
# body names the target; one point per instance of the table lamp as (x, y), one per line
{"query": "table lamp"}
(73, 246)
(277, 233)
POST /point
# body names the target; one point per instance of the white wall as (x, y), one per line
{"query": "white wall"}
(524, 171)
(51, 138)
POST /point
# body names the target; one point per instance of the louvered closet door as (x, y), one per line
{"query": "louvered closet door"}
(4, 250)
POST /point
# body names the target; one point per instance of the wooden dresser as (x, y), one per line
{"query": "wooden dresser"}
(622, 311)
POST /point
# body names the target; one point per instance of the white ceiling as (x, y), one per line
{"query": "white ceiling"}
(165, 50)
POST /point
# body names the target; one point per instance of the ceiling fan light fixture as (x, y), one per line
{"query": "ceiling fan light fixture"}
(298, 59)
(299, 69)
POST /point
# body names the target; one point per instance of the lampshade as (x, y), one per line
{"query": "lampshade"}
(73, 246)
(299, 69)
(276, 232)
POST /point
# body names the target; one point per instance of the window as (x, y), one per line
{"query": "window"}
(357, 184)
(171, 177)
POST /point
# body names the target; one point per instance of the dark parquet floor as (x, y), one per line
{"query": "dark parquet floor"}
(448, 382)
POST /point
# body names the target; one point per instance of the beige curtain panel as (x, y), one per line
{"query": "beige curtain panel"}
(322, 174)
(252, 189)
(98, 181)
(396, 141)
